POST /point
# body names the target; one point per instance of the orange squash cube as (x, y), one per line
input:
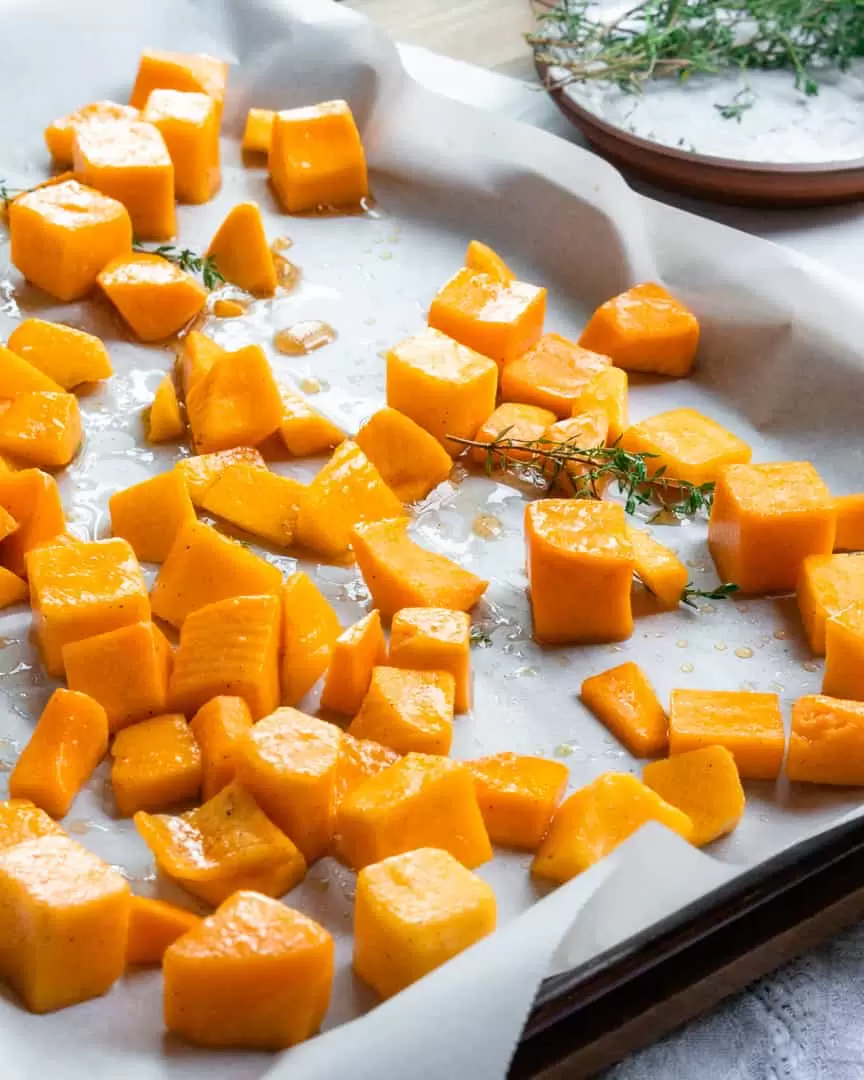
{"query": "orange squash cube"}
(607, 392)
(258, 132)
(688, 445)
(441, 385)
(826, 745)
(624, 700)
(19, 376)
(236, 403)
(518, 796)
(80, 590)
(413, 913)
(60, 135)
(153, 926)
(660, 570)
(645, 329)
(258, 501)
(32, 498)
(218, 727)
(844, 654)
(197, 354)
(156, 764)
(201, 472)
(229, 309)
(850, 519)
(42, 429)
(499, 319)
(154, 296)
(766, 520)
(586, 431)
(152, 514)
(189, 124)
(356, 652)
(407, 711)
(61, 236)
(580, 568)
(316, 158)
(13, 589)
(482, 259)
(358, 759)
(8, 524)
(596, 819)
(21, 820)
(164, 420)
(67, 356)
(705, 785)
(523, 423)
(191, 72)
(241, 252)
(827, 585)
(400, 573)
(552, 375)
(310, 629)
(434, 639)
(748, 724)
(305, 431)
(411, 461)
(255, 975)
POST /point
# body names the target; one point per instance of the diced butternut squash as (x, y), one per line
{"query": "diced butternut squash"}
(608, 392)
(197, 355)
(156, 765)
(21, 820)
(586, 431)
(32, 498)
(552, 375)
(441, 385)
(67, 356)
(413, 913)
(77, 591)
(826, 745)
(289, 763)
(225, 845)
(358, 759)
(258, 131)
(304, 430)
(236, 403)
(844, 654)
(152, 514)
(316, 158)
(164, 419)
(8, 524)
(434, 639)
(19, 376)
(189, 124)
(64, 920)
(766, 520)
(748, 724)
(255, 975)
(400, 573)
(500, 319)
(42, 429)
(349, 490)
(257, 500)
(223, 308)
(580, 568)
(154, 296)
(153, 926)
(705, 785)
(850, 519)
(411, 461)
(229, 647)
(192, 72)
(60, 135)
(645, 329)
(596, 819)
(423, 800)
(13, 589)
(67, 744)
(204, 567)
(518, 796)
(202, 471)
(686, 445)
(482, 259)
(523, 423)
(218, 727)
(310, 629)
(125, 670)
(827, 585)
(241, 252)
(61, 236)
(624, 700)
(356, 653)
(407, 711)
(659, 568)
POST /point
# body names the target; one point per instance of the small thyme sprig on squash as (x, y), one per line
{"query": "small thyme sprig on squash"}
(187, 260)
(721, 592)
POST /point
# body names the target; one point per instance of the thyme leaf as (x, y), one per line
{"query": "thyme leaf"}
(722, 592)
(187, 260)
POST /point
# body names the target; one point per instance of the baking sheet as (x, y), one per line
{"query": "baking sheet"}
(779, 364)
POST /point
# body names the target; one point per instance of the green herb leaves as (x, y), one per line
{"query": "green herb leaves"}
(722, 592)
(187, 260)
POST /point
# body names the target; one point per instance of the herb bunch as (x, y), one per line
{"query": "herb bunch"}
(187, 260)
(721, 592)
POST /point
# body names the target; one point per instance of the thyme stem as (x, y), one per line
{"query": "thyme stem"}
(187, 260)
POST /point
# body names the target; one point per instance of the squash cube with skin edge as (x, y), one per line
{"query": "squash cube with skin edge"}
(310, 629)
(258, 501)
(608, 392)
(499, 319)
(411, 461)
(400, 573)
(358, 760)
(408, 711)
(241, 252)
(659, 568)
(765, 521)
(850, 522)
(201, 472)
(316, 158)
(236, 403)
(225, 845)
(826, 745)
(152, 514)
(482, 259)
(587, 431)
(511, 421)
(154, 296)
(441, 385)
(552, 375)
(623, 699)
(255, 975)
(645, 329)
(19, 376)
(518, 796)
(258, 132)
(67, 356)
(125, 670)
(63, 235)
(218, 727)
(844, 654)
(153, 926)
(686, 444)
(356, 652)
(21, 819)
(156, 765)
(77, 591)
(434, 639)
(594, 820)
(827, 585)
(413, 913)
(190, 72)
(580, 568)
(705, 785)
(189, 124)
(305, 431)
(13, 589)
(32, 498)
(42, 429)
(60, 135)
(748, 724)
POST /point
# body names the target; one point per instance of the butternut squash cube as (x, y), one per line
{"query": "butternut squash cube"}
(229, 309)
(607, 392)
(236, 403)
(230, 647)
(766, 520)
(154, 296)
(411, 461)
(596, 819)
(434, 639)
(164, 419)
(586, 431)
(189, 124)
(705, 785)
(42, 429)
(441, 385)
(827, 585)
(61, 236)
(156, 764)
(552, 375)
(153, 926)
(288, 762)
(310, 629)
(67, 356)
(826, 745)
(356, 652)
(358, 759)
(844, 654)
(241, 252)
(258, 131)
(517, 797)
(197, 355)
(152, 514)
(407, 711)
(349, 490)
(225, 845)
(60, 135)
(524, 423)
(580, 568)
(64, 917)
(423, 800)
(192, 72)
(80, 590)
(482, 259)
(688, 445)
(400, 573)
(258, 501)
(316, 158)
(8, 524)
(19, 376)
(218, 728)
(659, 568)
(202, 471)
(645, 329)
(68, 742)
(255, 975)
(21, 820)
(32, 498)
(624, 700)
(749, 725)
(500, 319)
(305, 431)
(13, 589)
(125, 670)
(413, 913)
(850, 520)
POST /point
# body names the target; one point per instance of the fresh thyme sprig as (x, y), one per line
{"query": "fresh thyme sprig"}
(7, 193)
(187, 260)
(722, 592)
(740, 103)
